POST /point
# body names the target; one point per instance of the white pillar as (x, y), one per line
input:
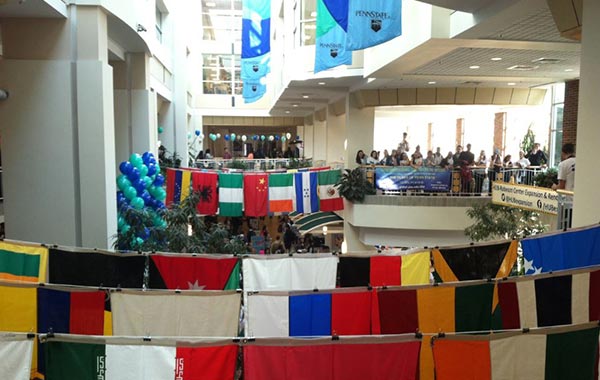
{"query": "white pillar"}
(336, 134)
(360, 125)
(587, 208)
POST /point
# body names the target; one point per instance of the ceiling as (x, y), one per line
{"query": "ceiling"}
(33, 8)
(520, 32)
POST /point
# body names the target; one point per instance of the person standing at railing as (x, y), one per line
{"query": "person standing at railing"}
(522, 164)
(417, 157)
(360, 157)
(373, 158)
(536, 156)
(566, 168)
(403, 146)
(508, 166)
(495, 165)
(430, 159)
(437, 157)
(456, 157)
(466, 160)
(448, 161)
(482, 160)
(208, 155)
(226, 154)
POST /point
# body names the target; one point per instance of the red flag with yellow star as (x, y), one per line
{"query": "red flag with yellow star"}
(256, 194)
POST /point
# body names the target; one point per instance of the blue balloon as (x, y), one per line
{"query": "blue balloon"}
(276, 137)
(197, 132)
(226, 137)
(140, 185)
(160, 179)
(134, 175)
(125, 167)
(146, 233)
(146, 157)
(151, 169)
(152, 160)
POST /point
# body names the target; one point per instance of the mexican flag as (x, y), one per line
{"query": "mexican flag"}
(281, 193)
(329, 196)
(231, 196)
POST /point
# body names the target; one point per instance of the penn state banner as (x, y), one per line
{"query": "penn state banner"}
(373, 22)
(256, 45)
(332, 23)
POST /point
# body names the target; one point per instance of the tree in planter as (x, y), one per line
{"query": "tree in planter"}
(547, 178)
(528, 141)
(354, 186)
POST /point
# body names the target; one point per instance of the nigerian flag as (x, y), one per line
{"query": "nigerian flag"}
(332, 24)
(231, 196)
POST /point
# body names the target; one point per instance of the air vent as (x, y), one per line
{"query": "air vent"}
(472, 83)
(546, 61)
(522, 68)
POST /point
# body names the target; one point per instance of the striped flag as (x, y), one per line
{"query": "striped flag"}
(15, 356)
(306, 197)
(231, 196)
(20, 262)
(178, 185)
(281, 193)
(329, 196)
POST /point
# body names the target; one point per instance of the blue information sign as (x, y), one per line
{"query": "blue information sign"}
(403, 178)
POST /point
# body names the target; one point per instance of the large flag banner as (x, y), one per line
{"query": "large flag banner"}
(91, 268)
(256, 47)
(576, 248)
(306, 198)
(373, 22)
(475, 262)
(555, 353)
(256, 194)
(268, 315)
(306, 272)
(20, 262)
(178, 185)
(329, 195)
(383, 270)
(206, 185)
(16, 351)
(137, 313)
(310, 315)
(73, 360)
(348, 358)
(209, 272)
(330, 46)
(281, 193)
(231, 196)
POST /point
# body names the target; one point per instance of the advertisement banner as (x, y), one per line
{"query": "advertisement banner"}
(403, 178)
(532, 198)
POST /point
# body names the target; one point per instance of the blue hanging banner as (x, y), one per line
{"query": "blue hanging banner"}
(256, 39)
(373, 22)
(330, 46)
(253, 90)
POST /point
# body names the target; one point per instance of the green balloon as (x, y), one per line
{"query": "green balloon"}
(148, 182)
(125, 228)
(120, 222)
(136, 160)
(161, 194)
(123, 182)
(160, 130)
(137, 203)
(130, 193)
(143, 170)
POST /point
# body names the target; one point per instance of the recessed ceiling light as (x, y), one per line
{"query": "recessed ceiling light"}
(474, 67)
(511, 84)
(496, 59)
(568, 70)
(305, 96)
(322, 83)
(287, 111)
(211, 4)
(295, 105)
(432, 82)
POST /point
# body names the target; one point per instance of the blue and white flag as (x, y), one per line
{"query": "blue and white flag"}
(253, 90)
(330, 46)
(373, 22)
(256, 38)
(306, 198)
(566, 250)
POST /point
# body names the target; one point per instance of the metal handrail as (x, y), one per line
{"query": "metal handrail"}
(257, 164)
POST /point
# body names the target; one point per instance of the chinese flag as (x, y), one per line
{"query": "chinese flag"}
(206, 184)
(256, 194)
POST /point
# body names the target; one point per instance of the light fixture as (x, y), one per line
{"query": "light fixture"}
(294, 104)
(140, 28)
(568, 70)
(496, 59)
(287, 111)
(511, 84)
(432, 82)
(322, 83)
(211, 4)
(305, 96)
(324, 230)
(474, 67)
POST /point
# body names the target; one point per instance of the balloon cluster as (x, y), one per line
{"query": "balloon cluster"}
(244, 138)
(140, 186)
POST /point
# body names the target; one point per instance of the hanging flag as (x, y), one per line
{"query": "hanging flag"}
(306, 198)
(90, 268)
(357, 304)
(332, 24)
(475, 262)
(364, 359)
(398, 311)
(256, 47)
(373, 22)
(178, 185)
(193, 273)
(383, 270)
(206, 363)
(329, 195)
(310, 315)
(20, 262)
(308, 272)
(567, 353)
(231, 196)
(268, 315)
(256, 194)
(198, 314)
(576, 248)
(16, 351)
(206, 185)
(281, 193)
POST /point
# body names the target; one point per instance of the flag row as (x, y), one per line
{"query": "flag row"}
(550, 353)
(257, 194)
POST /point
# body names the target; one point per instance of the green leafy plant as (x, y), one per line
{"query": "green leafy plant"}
(500, 222)
(547, 178)
(237, 164)
(354, 186)
(298, 163)
(528, 140)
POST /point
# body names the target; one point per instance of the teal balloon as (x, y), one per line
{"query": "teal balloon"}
(137, 203)
(130, 192)
(262, 138)
(283, 138)
(126, 227)
(232, 136)
(143, 171)
(120, 222)
(161, 194)
(136, 160)
(160, 130)
(123, 182)
(148, 181)
(189, 135)
(139, 241)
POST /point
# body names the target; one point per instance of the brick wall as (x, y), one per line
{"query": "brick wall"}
(499, 130)
(460, 123)
(570, 111)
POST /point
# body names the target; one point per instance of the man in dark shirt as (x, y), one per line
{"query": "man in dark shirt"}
(536, 156)
(465, 161)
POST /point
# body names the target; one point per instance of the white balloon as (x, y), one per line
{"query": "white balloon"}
(244, 138)
(271, 138)
(288, 135)
(218, 135)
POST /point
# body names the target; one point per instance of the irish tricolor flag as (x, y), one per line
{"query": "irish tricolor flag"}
(281, 193)
(231, 196)
(76, 361)
(329, 196)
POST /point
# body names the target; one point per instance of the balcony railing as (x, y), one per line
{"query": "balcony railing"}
(260, 164)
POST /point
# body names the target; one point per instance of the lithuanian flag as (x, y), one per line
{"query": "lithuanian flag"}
(20, 262)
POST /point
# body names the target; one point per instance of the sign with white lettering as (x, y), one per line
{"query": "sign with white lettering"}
(532, 198)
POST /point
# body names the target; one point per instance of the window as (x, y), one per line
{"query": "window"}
(221, 74)
(222, 20)
(308, 22)
(556, 126)
(159, 25)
